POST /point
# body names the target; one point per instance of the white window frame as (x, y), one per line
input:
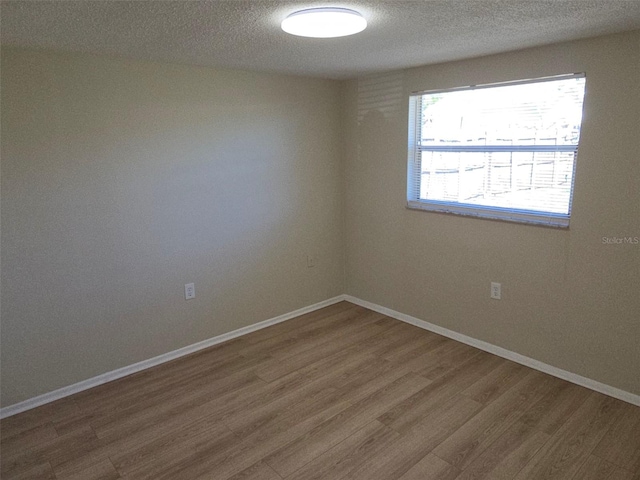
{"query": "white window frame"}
(489, 212)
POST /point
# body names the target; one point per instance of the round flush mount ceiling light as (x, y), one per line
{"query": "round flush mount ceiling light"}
(325, 22)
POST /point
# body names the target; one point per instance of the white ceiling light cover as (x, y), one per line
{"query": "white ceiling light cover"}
(325, 22)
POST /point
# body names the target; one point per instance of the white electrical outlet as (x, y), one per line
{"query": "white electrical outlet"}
(496, 290)
(189, 291)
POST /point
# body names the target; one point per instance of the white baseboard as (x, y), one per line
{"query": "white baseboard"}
(503, 352)
(152, 362)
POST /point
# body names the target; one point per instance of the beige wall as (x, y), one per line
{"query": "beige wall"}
(567, 299)
(122, 181)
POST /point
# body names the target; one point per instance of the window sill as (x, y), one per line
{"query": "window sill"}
(493, 213)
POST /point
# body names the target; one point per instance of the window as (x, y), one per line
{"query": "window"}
(504, 151)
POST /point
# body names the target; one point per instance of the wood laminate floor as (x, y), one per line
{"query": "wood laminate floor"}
(340, 393)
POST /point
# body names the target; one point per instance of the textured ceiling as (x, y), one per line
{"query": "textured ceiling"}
(246, 34)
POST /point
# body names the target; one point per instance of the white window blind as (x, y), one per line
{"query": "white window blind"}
(504, 151)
